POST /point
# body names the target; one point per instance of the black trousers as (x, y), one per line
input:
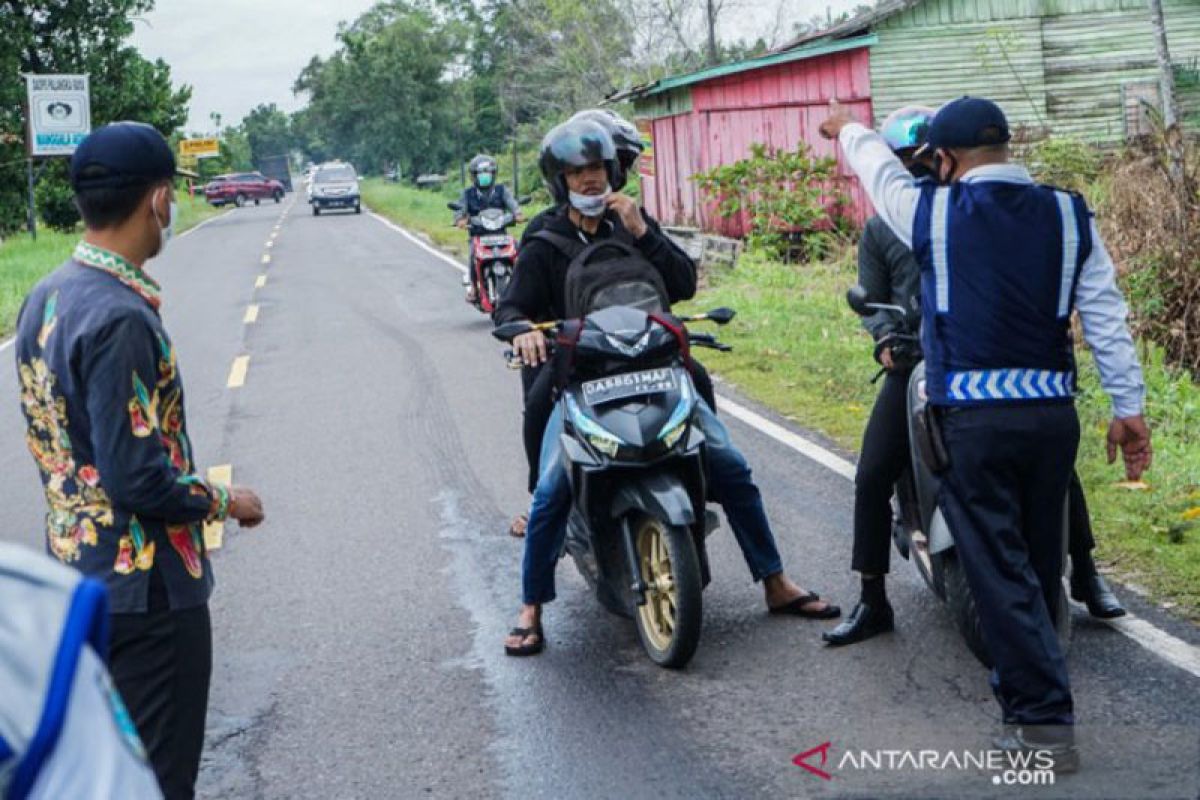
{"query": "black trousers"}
(161, 663)
(1003, 495)
(881, 462)
(885, 454)
(538, 383)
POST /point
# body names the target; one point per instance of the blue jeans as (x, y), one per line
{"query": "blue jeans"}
(731, 483)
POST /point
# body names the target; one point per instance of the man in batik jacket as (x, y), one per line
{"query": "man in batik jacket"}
(101, 393)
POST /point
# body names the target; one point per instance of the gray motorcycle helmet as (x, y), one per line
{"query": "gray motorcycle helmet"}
(625, 136)
(577, 143)
(482, 163)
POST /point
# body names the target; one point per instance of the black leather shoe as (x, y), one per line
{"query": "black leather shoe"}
(1100, 600)
(1051, 749)
(864, 622)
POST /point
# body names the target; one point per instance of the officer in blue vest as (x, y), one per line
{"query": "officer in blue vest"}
(1004, 263)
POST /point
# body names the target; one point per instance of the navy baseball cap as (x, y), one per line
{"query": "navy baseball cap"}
(965, 123)
(121, 154)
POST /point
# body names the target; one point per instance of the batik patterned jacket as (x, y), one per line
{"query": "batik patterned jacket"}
(103, 399)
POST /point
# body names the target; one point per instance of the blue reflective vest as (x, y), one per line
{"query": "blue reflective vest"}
(999, 264)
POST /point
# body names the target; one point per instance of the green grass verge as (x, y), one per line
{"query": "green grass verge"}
(23, 262)
(421, 210)
(799, 350)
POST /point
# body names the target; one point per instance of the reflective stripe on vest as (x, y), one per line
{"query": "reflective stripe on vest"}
(939, 224)
(1070, 252)
(1009, 384)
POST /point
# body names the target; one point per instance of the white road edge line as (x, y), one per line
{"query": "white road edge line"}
(5, 345)
(200, 225)
(1162, 644)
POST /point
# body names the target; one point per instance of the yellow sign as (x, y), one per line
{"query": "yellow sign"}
(200, 148)
(188, 162)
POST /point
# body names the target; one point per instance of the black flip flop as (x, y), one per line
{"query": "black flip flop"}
(527, 649)
(796, 608)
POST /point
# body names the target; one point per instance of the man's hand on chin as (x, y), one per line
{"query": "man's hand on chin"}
(630, 214)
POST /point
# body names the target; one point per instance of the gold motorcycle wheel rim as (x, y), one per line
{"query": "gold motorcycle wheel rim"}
(657, 615)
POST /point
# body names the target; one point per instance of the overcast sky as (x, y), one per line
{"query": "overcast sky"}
(238, 53)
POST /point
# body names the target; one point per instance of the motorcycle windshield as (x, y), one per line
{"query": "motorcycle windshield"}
(634, 294)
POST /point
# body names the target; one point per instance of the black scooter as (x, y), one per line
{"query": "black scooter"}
(919, 530)
(635, 460)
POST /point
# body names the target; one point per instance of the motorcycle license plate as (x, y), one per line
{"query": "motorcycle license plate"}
(631, 384)
(493, 241)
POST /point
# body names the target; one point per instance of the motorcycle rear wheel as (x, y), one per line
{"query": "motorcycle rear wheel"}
(965, 611)
(670, 620)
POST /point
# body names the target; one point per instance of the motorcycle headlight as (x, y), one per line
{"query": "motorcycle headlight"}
(595, 433)
(676, 424)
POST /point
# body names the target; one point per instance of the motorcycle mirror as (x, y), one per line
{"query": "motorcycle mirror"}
(454, 206)
(511, 330)
(524, 200)
(721, 316)
(856, 296)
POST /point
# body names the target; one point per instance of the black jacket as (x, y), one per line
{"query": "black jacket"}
(538, 288)
(889, 273)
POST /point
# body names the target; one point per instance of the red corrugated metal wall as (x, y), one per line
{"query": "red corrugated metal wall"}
(780, 106)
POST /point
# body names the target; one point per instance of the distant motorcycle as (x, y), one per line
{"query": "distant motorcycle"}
(919, 530)
(493, 253)
(635, 461)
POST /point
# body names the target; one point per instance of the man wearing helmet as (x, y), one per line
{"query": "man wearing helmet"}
(889, 272)
(579, 163)
(538, 402)
(482, 194)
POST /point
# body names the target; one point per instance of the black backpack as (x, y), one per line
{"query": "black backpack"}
(609, 272)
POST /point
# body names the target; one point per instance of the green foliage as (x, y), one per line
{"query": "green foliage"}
(54, 199)
(48, 36)
(789, 198)
(268, 132)
(1066, 162)
(386, 96)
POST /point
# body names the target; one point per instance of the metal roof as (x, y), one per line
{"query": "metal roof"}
(721, 70)
(856, 24)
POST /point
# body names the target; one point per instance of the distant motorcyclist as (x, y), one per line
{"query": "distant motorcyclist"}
(889, 272)
(483, 193)
(579, 164)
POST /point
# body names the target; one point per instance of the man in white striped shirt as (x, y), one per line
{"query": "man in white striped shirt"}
(1004, 263)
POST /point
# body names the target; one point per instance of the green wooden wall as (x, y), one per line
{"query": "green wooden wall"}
(1060, 64)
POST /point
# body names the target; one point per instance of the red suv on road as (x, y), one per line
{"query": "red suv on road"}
(239, 187)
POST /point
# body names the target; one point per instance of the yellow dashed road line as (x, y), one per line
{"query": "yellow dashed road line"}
(214, 532)
(237, 373)
(251, 314)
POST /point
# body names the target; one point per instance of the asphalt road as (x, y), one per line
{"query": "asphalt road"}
(358, 632)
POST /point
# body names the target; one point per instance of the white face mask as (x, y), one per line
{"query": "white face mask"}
(590, 205)
(167, 232)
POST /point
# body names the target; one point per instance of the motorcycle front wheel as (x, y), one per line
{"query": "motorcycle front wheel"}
(669, 621)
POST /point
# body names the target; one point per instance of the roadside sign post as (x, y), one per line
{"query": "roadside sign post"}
(58, 117)
(199, 148)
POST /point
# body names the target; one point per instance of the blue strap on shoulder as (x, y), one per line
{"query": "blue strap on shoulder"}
(86, 624)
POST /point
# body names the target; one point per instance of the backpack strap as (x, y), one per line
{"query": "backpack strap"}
(569, 247)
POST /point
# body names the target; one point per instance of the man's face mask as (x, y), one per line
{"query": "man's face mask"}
(486, 179)
(591, 205)
(165, 230)
(944, 167)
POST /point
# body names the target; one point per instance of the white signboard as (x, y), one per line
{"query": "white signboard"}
(60, 113)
